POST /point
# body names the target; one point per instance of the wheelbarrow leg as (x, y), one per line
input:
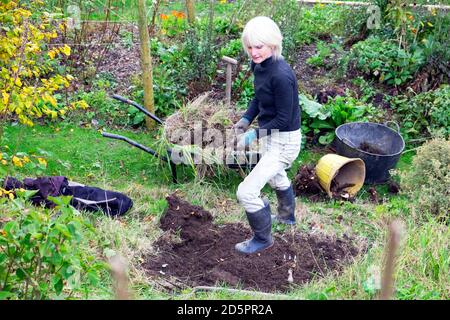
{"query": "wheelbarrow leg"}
(173, 169)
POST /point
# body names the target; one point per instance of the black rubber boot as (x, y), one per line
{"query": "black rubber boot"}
(261, 224)
(286, 206)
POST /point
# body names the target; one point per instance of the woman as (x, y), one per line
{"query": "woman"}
(277, 108)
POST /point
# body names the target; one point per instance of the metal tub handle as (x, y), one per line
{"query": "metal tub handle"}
(396, 125)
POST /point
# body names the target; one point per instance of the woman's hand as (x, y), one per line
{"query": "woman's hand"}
(244, 140)
(241, 126)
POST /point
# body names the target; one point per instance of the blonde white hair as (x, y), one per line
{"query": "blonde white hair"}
(263, 30)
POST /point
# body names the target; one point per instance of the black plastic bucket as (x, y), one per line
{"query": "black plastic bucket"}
(376, 144)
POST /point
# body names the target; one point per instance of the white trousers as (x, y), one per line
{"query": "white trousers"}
(279, 150)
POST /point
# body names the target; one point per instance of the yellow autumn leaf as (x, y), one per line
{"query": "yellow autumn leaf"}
(429, 24)
(42, 161)
(4, 162)
(11, 196)
(5, 97)
(52, 100)
(83, 104)
(52, 53)
(17, 161)
(18, 82)
(65, 50)
(26, 159)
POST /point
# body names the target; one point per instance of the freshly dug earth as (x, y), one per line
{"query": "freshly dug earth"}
(205, 254)
(306, 183)
(367, 147)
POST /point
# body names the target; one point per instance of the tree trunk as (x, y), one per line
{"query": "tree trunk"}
(190, 11)
(146, 63)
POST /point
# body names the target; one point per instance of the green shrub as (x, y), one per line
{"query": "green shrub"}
(233, 49)
(425, 113)
(243, 87)
(428, 181)
(41, 252)
(385, 61)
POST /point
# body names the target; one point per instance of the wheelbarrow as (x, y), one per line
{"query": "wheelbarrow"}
(251, 157)
(379, 146)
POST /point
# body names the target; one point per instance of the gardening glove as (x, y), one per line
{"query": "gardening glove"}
(244, 140)
(241, 126)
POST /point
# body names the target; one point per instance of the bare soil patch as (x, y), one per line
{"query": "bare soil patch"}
(204, 254)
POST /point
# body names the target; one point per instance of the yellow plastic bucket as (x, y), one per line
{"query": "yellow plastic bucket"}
(342, 170)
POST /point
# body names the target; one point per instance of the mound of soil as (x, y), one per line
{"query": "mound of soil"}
(205, 254)
(306, 182)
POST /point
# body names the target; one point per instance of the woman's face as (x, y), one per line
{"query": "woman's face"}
(260, 52)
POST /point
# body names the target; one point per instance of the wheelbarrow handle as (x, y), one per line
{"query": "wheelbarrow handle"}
(138, 106)
(396, 125)
(173, 168)
(134, 143)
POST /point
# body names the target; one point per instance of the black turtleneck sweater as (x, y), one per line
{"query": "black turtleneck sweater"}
(276, 97)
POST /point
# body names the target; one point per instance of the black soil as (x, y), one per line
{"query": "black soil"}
(306, 183)
(205, 254)
(370, 148)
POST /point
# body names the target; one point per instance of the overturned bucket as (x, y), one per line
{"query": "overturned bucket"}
(341, 170)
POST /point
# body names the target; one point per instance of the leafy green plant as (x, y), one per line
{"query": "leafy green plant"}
(323, 52)
(173, 24)
(103, 108)
(40, 253)
(233, 49)
(425, 113)
(243, 87)
(167, 92)
(385, 61)
(324, 119)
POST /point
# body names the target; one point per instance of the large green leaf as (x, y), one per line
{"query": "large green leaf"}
(321, 124)
(327, 138)
(312, 108)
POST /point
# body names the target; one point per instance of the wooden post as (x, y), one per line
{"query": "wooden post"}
(230, 62)
(119, 274)
(387, 282)
(146, 63)
(190, 11)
